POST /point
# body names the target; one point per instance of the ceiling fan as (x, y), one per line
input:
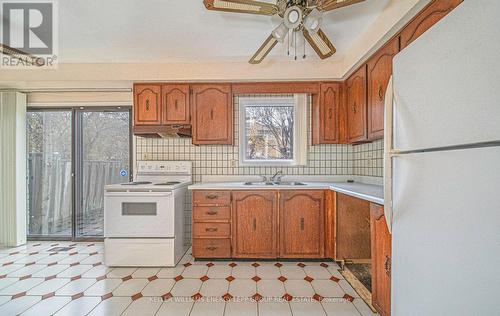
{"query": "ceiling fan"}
(301, 20)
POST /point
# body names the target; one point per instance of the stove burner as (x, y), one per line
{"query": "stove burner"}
(168, 183)
(137, 183)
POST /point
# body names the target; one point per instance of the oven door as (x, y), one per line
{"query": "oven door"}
(139, 214)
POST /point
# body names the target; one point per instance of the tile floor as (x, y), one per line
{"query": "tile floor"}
(41, 279)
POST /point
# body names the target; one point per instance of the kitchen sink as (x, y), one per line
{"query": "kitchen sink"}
(277, 184)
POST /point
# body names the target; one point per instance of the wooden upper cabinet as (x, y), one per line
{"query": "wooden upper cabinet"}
(255, 224)
(212, 114)
(356, 106)
(434, 12)
(302, 218)
(176, 106)
(147, 104)
(379, 73)
(381, 261)
(325, 123)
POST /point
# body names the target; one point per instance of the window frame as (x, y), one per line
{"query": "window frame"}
(300, 105)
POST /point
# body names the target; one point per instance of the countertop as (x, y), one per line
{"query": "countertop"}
(369, 192)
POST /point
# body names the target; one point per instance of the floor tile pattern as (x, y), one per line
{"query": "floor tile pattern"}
(69, 278)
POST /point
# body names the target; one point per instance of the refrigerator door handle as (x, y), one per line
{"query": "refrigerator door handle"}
(388, 153)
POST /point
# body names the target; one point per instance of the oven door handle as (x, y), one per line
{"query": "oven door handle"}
(141, 194)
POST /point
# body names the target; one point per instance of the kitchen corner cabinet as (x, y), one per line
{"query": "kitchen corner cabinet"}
(434, 12)
(379, 73)
(356, 106)
(381, 260)
(176, 104)
(212, 117)
(255, 224)
(325, 122)
(147, 105)
(353, 228)
(302, 224)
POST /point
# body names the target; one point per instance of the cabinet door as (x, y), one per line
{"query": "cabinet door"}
(302, 218)
(329, 108)
(381, 261)
(434, 12)
(147, 105)
(255, 224)
(212, 114)
(379, 73)
(353, 228)
(176, 104)
(356, 106)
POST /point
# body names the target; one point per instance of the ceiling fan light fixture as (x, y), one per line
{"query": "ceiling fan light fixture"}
(280, 32)
(312, 22)
(293, 17)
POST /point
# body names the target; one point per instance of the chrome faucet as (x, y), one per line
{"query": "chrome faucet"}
(276, 178)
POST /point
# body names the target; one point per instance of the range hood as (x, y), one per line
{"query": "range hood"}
(164, 131)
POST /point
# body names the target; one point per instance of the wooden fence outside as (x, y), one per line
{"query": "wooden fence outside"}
(50, 194)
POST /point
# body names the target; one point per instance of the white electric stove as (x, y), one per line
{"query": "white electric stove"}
(144, 219)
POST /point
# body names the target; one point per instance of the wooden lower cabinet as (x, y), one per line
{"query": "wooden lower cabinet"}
(353, 228)
(255, 224)
(302, 224)
(211, 248)
(381, 261)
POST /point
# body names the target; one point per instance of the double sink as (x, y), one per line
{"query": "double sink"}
(291, 183)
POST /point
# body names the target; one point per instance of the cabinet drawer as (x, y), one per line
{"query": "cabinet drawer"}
(211, 248)
(212, 197)
(203, 213)
(211, 230)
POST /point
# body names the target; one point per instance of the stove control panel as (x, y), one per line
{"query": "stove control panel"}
(164, 167)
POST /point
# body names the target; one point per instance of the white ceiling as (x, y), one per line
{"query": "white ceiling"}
(159, 31)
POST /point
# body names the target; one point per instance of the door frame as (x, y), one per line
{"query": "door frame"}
(76, 160)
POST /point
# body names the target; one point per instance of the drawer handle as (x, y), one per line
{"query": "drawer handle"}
(212, 197)
(330, 113)
(147, 104)
(211, 114)
(354, 110)
(381, 93)
(302, 223)
(212, 212)
(387, 265)
(176, 101)
(212, 248)
(211, 229)
(254, 224)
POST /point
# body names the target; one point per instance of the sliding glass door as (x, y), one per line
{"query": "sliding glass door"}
(72, 154)
(49, 173)
(103, 157)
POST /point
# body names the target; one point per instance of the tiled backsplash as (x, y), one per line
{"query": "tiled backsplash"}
(363, 159)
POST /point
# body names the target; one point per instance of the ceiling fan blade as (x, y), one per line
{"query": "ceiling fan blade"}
(18, 54)
(320, 43)
(264, 49)
(328, 5)
(242, 6)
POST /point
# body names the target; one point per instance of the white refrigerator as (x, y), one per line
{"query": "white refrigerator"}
(442, 173)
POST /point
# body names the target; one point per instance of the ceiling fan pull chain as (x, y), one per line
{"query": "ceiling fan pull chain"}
(295, 43)
(288, 47)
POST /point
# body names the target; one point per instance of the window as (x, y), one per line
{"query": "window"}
(273, 130)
